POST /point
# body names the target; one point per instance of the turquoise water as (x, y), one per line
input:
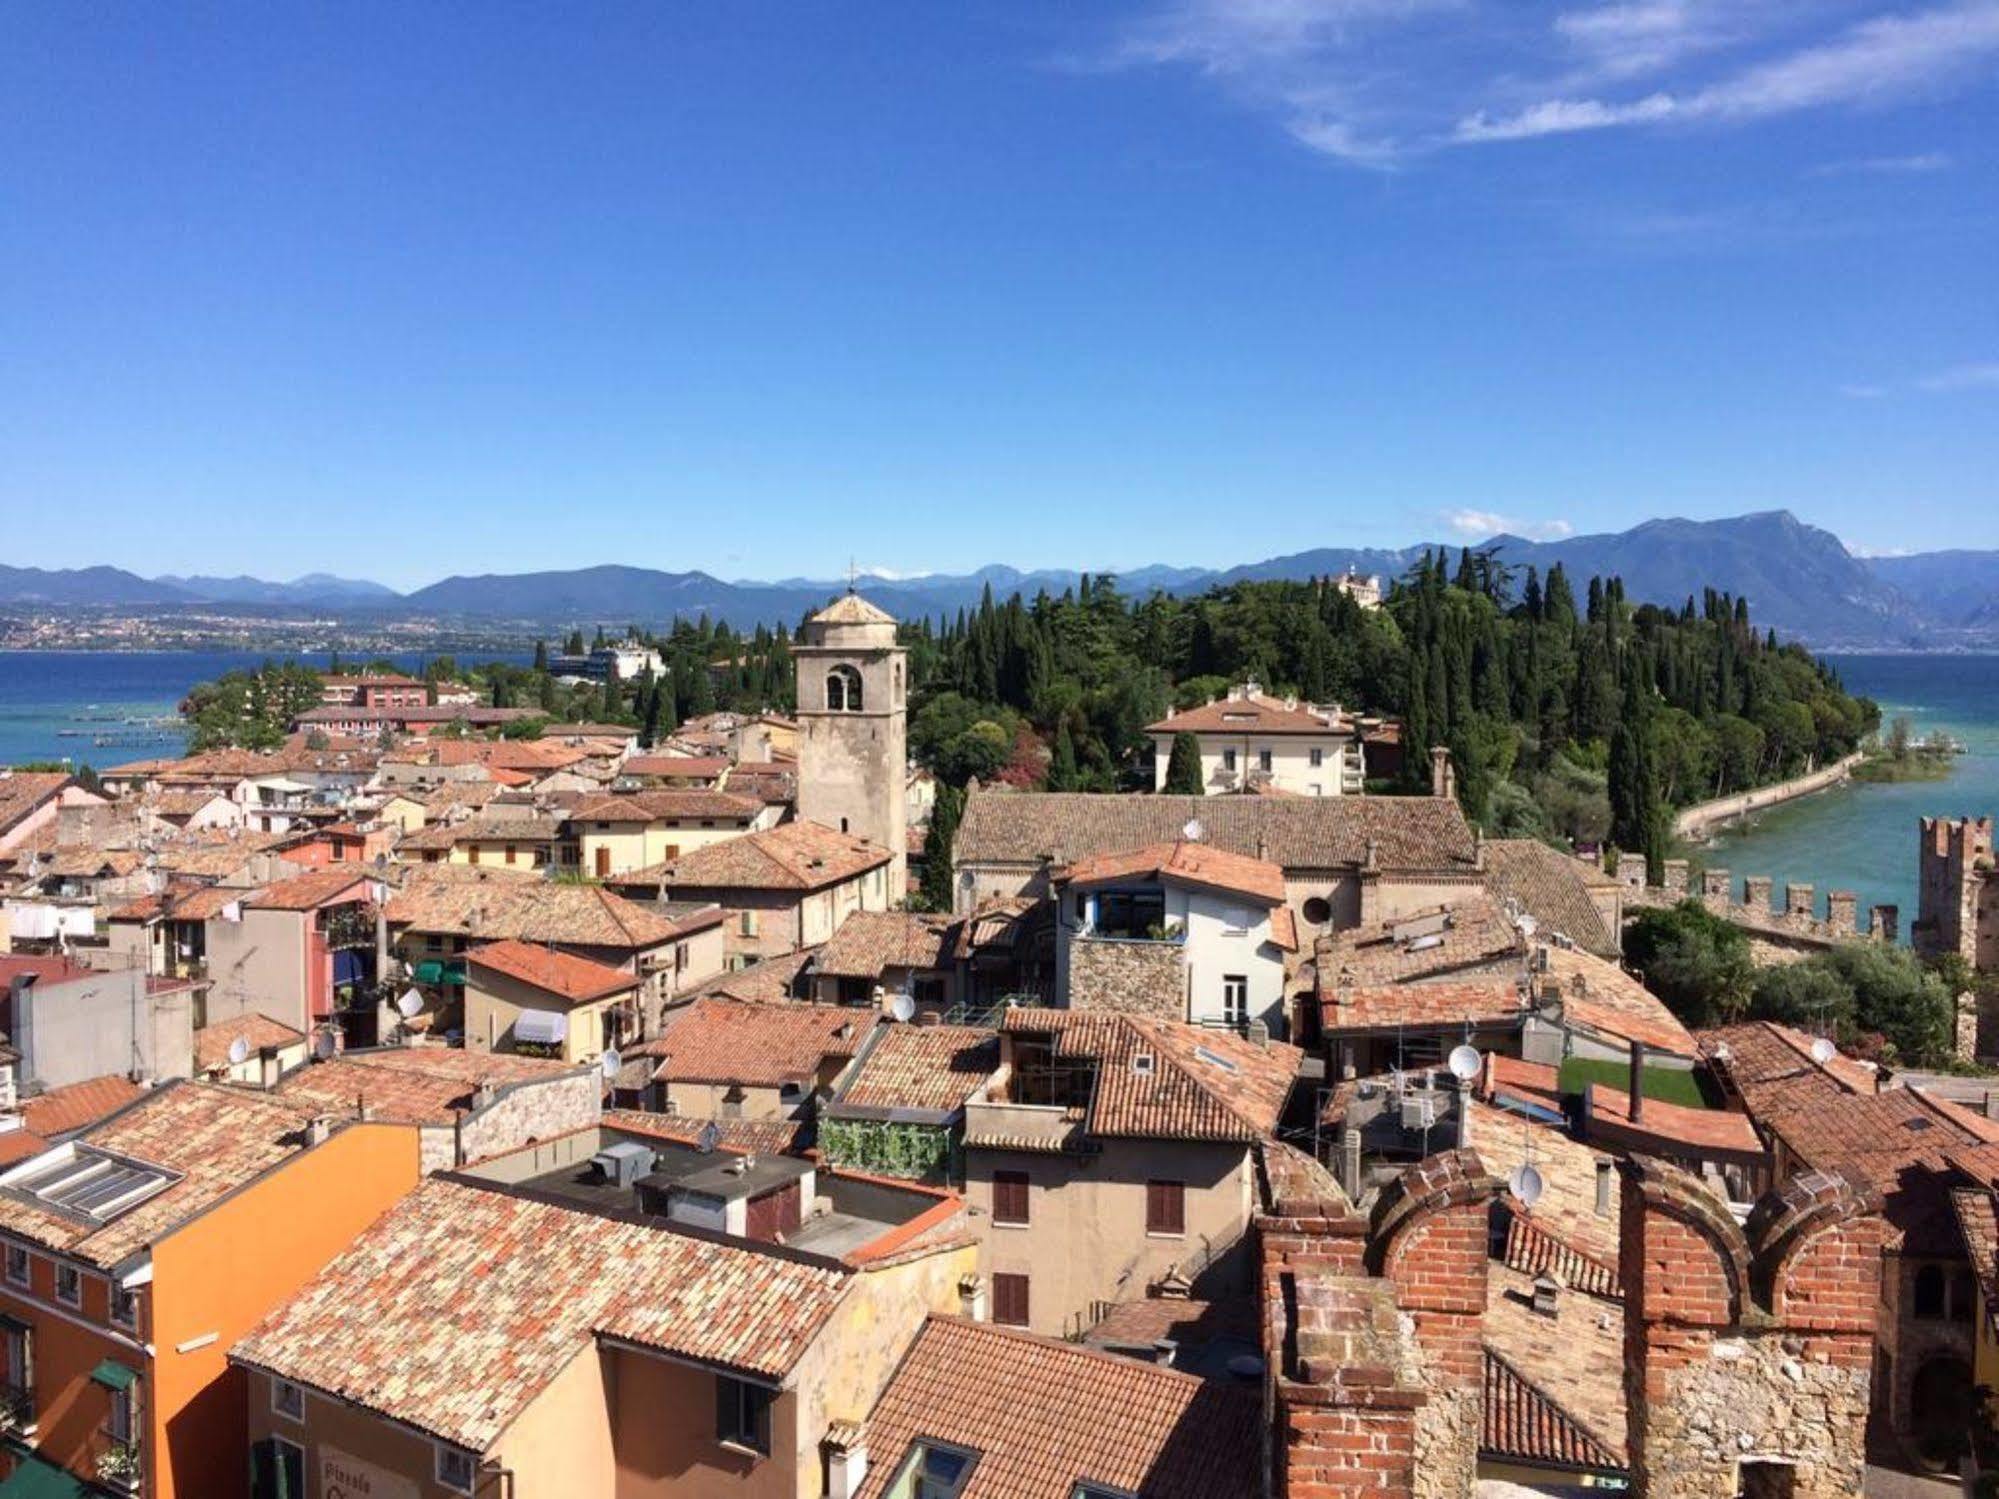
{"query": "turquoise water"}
(1862, 837)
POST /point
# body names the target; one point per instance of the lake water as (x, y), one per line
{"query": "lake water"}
(1863, 837)
(57, 704)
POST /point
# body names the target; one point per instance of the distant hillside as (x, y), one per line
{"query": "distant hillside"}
(1798, 579)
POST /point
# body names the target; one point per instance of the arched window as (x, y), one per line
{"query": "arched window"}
(1929, 1291)
(843, 690)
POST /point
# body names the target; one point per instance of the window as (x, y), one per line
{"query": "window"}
(933, 1471)
(742, 1415)
(124, 1305)
(69, 1285)
(288, 1399)
(1318, 910)
(472, 854)
(1235, 998)
(1166, 1207)
(1263, 759)
(843, 690)
(277, 1470)
(748, 925)
(456, 1470)
(1010, 1207)
(1228, 759)
(1010, 1303)
(513, 853)
(1929, 1295)
(120, 1424)
(19, 1352)
(18, 1262)
(1130, 913)
(1318, 758)
(1088, 1490)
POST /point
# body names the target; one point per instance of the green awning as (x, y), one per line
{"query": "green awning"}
(114, 1375)
(34, 1479)
(437, 971)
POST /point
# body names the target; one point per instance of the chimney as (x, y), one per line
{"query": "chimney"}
(1548, 1294)
(1258, 1033)
(972, 1298)
(1637, 1080)
(317, 1129)
(1350, 1161)
(1604, 1168)
(1991, 1104)
(846, 1460)
(1478, 848)
(1443, 779)
(482, 1094)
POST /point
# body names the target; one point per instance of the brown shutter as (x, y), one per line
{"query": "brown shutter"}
(1010, 1303)
(1165, 1207)
(1010, 1197)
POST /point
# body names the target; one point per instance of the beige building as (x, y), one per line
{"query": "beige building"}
(707, 1366)
(788, 887)
(615, 835)
(522, 997)
(734, 1059)
(1119, 1160)
(853, 710)
(1250, 740)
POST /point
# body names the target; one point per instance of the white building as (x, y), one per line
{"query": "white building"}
(1249, 740)
(1182, 931)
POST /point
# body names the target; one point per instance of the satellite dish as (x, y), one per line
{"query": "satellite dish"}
(610, 1061)
(323, 1045)
(902, 1007)
(410, 1005)
(1193, 831)
(1525, 1184)
(1465, 1062)
(709, 1138)
(1823, 1051)
(239, 1052)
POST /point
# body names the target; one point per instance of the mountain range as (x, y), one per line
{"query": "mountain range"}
(1799, 579)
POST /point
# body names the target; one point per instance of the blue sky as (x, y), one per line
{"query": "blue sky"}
(413, 290)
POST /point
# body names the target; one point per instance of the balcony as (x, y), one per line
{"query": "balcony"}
(348, 927)
(119, 1463)
(17, 1411)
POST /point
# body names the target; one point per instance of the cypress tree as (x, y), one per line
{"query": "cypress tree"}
(935, 891)
(1183, 767)
(1062, 772)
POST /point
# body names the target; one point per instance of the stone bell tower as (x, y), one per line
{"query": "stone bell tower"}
(853, 720)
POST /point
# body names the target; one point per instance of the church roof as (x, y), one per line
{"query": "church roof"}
(852, 609)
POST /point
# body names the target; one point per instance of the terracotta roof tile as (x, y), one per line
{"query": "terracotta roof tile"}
(409, 1084)
(258, 1032)
(1550, 886)
(308, 892)
(738, 1136)
(1599, 995)
(478, 903)
(77, 1106)
(1254, 714)
(1446, 1002)
(213, 1139)
(521, 1287)
(1045, 1415)
(1163, 1080)
(577, 980)
(1524, 1425)
(929, 1068)
(1313, 832)
(1472, 933)
(764, 1045)
(1183, 863)
(791, 856)
(666, 806)
(870, 942)
(1574, 1363)
(24, 791)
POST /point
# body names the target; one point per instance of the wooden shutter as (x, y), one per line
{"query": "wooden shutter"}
(1165, 1207)
(1010, 1197)
(1010, 1303)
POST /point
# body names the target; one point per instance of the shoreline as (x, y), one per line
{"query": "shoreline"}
(1696, 822)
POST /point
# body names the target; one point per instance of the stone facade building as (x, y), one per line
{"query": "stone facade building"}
(853, 727)
(1958, 891)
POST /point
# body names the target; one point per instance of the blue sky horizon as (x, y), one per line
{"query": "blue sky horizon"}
(403, 292)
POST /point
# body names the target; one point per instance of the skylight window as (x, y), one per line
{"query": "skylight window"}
(91, 1183)
(933, 1471)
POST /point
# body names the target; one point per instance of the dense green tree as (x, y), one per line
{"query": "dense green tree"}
(936, 892)
(1696, 962)
(1183, 767)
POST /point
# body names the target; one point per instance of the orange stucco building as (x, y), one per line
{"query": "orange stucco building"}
(137, 1253)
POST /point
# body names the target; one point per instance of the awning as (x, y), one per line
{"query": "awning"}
(34, 1479)
(114, 1375)
(541, 1027)
(437, 971)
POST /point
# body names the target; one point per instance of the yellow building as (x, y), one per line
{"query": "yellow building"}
(523, 998)
(630, 831)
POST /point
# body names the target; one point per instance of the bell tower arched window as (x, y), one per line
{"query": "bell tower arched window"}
(843, 690)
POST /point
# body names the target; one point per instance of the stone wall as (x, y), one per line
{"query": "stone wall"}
(525, 1112)
(1775, 935)
(1135, 976)
(1747, 1345)
(1695, 821)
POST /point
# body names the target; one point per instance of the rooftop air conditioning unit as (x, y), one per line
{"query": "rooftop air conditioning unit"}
(1419, 1110)
(623, 1164)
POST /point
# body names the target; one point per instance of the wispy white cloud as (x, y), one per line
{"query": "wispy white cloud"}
(1963, 377)
(1477, 525)
(1876, 61)
(1376, 82)
(1885, 166)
